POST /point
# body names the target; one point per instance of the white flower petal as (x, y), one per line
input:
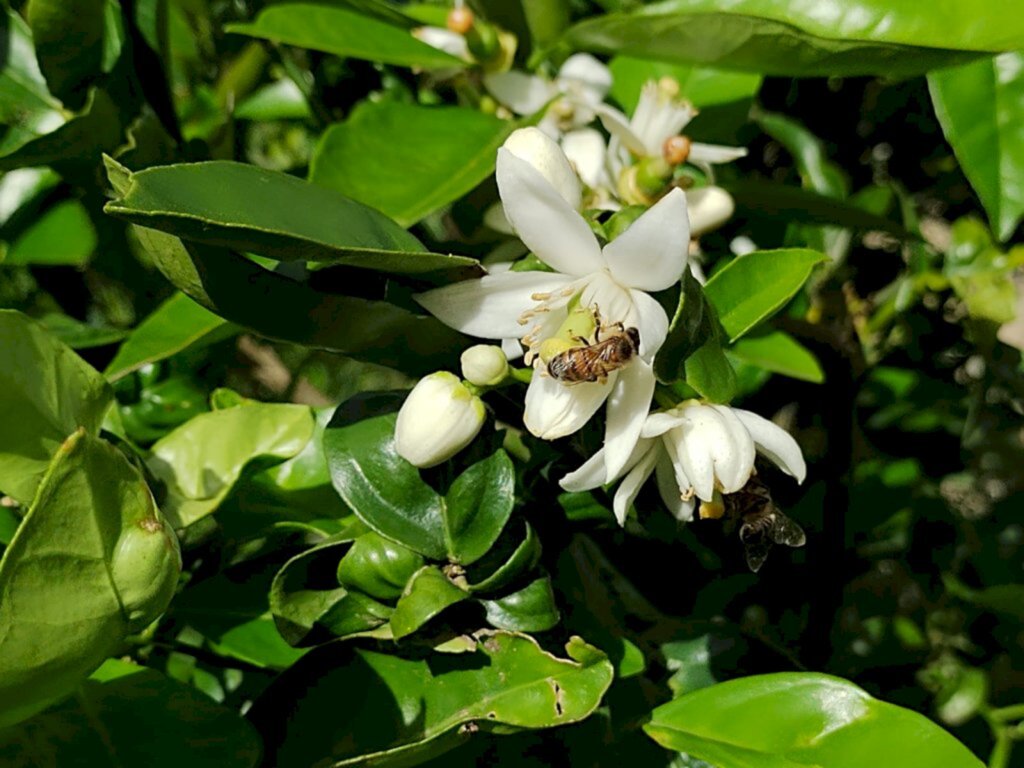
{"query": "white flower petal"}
(631, 484)
(522, 93)
(588, 475)
(651, 321)
(494, 217)
(544, 221)
(734, 470)
(628, 406)
(659, 423)
(584, 69)
(512, 348)
(554, 410)
(669, 442)
(669, 489)
(444, 40)
(659, 114)
(585, 149)
(542, 152)
(651, 254)
(775, 443)
(490, 307)
(714, 153)
(697, 443)
(617, 124)
(708, 208)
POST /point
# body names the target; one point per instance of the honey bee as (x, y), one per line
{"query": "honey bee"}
(594, 361)
(761, 523)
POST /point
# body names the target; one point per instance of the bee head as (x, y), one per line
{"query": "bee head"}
(634, 336)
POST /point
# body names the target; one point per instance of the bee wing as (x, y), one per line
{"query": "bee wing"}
(785, 531)
(757, 551)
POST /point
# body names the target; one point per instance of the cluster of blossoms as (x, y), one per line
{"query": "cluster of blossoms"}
(587, 327)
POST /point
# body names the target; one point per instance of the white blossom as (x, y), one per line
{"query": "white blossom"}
(693, 450)
(484, 365)
(438, 419)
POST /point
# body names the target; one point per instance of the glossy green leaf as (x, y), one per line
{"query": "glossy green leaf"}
(177, 324)
(689, 661)
(690, 326)
(503, 680)
(530, 609)
(981, 109)
(47, 393)
(102, 726)
(779, 352)
(280, 100)
(1002, 598)
(240, 206)
(79, 335)
(379, 567)
(202, 459)
(68, 36)
(804, 37)
(309, 606)
(278, 307)
(343, 32)
(388, 494)
(61, 236)
(709, 371)
(815, 720)
(753, 287)
(504, 564)
(429, 593)
(701, 86)
(369, 156)
(27, 109)
(92, 562)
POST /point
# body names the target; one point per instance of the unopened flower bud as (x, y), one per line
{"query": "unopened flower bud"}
(438, 419)
(484, 365)
(460, 20)
(709, 208)
(676, 149)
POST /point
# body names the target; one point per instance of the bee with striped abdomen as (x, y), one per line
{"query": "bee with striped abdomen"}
(591, 362)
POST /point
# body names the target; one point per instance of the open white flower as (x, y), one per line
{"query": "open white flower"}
(582, 83)
(659, 116)
(694, 449)
(533, 306)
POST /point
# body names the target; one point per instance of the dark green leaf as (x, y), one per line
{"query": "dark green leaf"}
(779, 352)
(798, 37)
(105, 723)
(177, 324)
(690, 325)
(815, 720)
(709, 372)
(410, 708)
(407, 160)
(79, 335)
(92, 562)
(379, 567)
(428, 594)
(27, 109)
(524, 555)
(343, 32)
(753, 287)
(47, 393)
(68, 36)
(530, 609)
(981, 108)
(250, 209)
(202, 459)
(477, 507)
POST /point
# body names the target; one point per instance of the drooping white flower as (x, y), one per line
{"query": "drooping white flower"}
(484, 365)
(694, 450)
(533, 306)
(659, 116)
(580, 87)
(438, 419)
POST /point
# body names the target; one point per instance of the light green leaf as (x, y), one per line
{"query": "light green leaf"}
(46, 393)
(250, 209)
(802, 37)
(709, 372)
(79, 335)
(779, 352)
(92, 562)
(701, 86)
(280, 100)
(177, 324)
(102, 726)
(61, 236)
(344, 32)
(504, 680)
(981, 109)
(68, 36)
(27, 109)
(369, 157)
(429, 592)
(753, 287)
(816, 720)
(202, 459)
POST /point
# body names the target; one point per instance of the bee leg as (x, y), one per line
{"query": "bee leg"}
(582, 340)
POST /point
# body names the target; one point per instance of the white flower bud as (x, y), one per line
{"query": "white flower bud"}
(438, 419)
(484, 365)
(538, 149)
(709, 207)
